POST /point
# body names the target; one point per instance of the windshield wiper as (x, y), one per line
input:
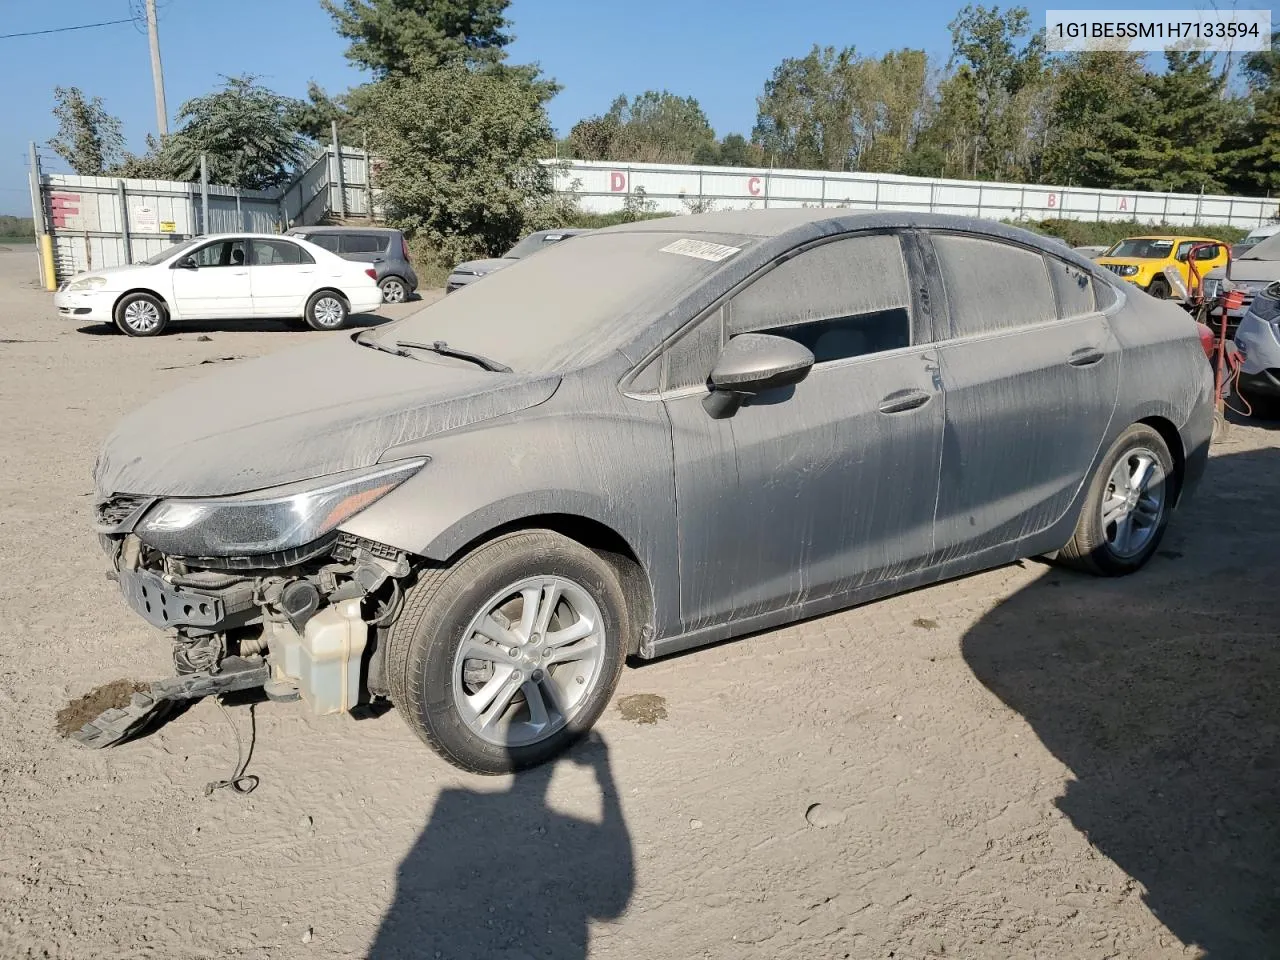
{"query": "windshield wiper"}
(395, 351)
(442, 348)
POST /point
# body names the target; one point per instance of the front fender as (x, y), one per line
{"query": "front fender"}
(612, 467)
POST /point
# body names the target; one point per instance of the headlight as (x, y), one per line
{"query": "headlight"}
(1128, 270)
(1213, 286)
(88, 283)
(278, 518)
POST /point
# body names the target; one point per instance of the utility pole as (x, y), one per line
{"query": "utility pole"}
(157, 73)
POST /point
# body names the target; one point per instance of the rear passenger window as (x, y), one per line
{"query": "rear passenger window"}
(992, 286)
(273, 253)
(326, 241)
(362, 243)
(842, 299)
(1072, 287)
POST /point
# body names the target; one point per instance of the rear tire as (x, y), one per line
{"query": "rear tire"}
(394, 290)
(141, 315)
(1159, 288)
(1127, 507)
(326, 310)
(514, 695)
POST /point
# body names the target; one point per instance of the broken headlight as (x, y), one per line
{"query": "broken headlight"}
(278, 518)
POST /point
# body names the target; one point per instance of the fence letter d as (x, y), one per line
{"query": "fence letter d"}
(617, 181)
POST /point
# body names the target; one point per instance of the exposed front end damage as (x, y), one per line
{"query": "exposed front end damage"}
(306, 622)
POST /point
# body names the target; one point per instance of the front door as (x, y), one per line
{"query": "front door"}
(817, 489)
(213, 281)
(282, 276)
(1031, 372)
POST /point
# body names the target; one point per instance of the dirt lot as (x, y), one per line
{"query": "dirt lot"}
(1026, 763)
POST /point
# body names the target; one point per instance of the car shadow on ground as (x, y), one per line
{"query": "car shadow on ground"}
(1161, 693)
(501, 874)
(230, 325)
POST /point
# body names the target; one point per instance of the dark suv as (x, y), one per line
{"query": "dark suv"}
(383, 247)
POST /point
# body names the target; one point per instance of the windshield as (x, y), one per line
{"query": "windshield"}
(1142, 248)
(570, 305)
(166, 253)
(1267, 248)
(532, 244)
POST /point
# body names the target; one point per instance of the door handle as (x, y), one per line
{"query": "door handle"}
(239, 273)
(903, 400)
(1085, 357)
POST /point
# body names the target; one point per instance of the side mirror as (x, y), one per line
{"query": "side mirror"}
(187, 263)
(753, 363)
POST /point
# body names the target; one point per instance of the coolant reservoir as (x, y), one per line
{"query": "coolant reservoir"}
(329, 657)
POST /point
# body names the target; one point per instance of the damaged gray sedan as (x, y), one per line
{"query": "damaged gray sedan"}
(661, 435)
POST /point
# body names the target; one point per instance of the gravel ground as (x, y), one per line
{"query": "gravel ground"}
(1025, 763)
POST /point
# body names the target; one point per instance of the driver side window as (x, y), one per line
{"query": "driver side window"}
(224, 253)
(841, 299)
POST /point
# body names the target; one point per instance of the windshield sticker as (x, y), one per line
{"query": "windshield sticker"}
(715, 252)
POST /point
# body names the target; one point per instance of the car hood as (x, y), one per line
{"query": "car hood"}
(485, 266)
(298, 414)
(1129, 261)
(109, 272)
(1249, 271)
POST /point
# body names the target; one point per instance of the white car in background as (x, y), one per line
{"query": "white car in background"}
(231, 276)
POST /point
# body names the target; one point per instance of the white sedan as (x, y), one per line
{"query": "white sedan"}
(224, 276)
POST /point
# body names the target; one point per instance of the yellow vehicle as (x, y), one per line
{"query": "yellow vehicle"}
(1142, 260)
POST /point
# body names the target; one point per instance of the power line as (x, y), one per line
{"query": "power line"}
(83, 26)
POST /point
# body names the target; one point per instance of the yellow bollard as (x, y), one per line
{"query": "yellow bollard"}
(47, 269)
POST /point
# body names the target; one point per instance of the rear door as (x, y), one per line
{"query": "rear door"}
(1031, 373)
(213, 281)
(365, 248)
(282, 276)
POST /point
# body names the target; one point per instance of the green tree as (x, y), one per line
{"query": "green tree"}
(314, 116)
(804, 116)
(594, 138)
(994, 106)
(836, 110)
(459, 153)
(390, 37)
(1256, 154)
(1187, 126)
(1101, 120)
(654, 127)
(89, 139)
(246, 131)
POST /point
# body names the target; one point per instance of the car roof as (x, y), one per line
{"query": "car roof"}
(780, 228)
(242, 235)
(1173, 236)
(345, 229)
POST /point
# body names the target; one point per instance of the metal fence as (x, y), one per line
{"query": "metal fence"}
(602, 187)
(94, 222)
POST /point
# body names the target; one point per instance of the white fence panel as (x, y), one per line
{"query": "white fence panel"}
(603, 187)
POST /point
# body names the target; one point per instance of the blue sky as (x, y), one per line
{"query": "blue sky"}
(718, 51)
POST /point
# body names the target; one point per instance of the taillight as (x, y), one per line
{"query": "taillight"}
(404, 249)
(1206, 340)
(371, 273)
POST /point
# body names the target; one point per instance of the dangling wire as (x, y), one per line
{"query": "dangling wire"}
(239, 781)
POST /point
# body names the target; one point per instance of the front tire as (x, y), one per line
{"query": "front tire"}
(1127, 508)
(1159, 288)
(141, 315)
(326, 310)
(502, 660)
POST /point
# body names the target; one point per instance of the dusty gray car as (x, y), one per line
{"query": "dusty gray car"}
(1251, 272)
(662, 435)
(470, 271)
